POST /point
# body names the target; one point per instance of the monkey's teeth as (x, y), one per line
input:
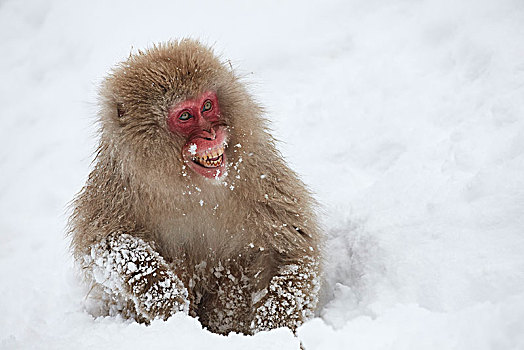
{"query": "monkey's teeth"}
(208, 162)
(211, 158)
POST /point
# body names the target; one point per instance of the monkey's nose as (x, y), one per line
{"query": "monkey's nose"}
(209, 135)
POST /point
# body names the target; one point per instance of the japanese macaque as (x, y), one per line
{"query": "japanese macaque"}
(189, 207)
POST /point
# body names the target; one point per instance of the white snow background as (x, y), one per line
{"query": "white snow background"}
(406, 118)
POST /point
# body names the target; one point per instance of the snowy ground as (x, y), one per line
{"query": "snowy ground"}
(406, 118)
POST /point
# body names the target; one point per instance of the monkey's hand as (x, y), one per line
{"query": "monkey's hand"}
(290, 299)
(130, 270)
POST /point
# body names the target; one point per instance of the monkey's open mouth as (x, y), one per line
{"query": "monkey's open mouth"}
(209, 162)
(207, 155)
(211, 159)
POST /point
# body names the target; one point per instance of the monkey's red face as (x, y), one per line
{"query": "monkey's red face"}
(198, 121)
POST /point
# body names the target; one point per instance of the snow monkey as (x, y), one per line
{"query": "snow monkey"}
(189, 206)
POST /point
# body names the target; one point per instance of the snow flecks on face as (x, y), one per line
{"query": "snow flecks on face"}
(192, 149)
(201, 202)
(290, 299)
(134, 279)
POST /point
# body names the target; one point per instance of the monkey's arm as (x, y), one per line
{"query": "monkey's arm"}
(129, 269)
(291, 297)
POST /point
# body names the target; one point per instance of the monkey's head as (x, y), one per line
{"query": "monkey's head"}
(174, 109)
(199, 121)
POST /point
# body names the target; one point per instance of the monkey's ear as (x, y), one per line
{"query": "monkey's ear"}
(120, 110)
(299, 230)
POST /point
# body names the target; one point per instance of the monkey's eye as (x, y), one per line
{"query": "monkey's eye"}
(185, 116)
(207, 106)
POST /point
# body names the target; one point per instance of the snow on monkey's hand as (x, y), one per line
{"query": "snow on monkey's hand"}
(290, 298)
(129, 269)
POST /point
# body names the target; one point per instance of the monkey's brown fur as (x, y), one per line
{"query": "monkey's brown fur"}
(245, 247)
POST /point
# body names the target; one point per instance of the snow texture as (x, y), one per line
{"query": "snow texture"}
(406, 118)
